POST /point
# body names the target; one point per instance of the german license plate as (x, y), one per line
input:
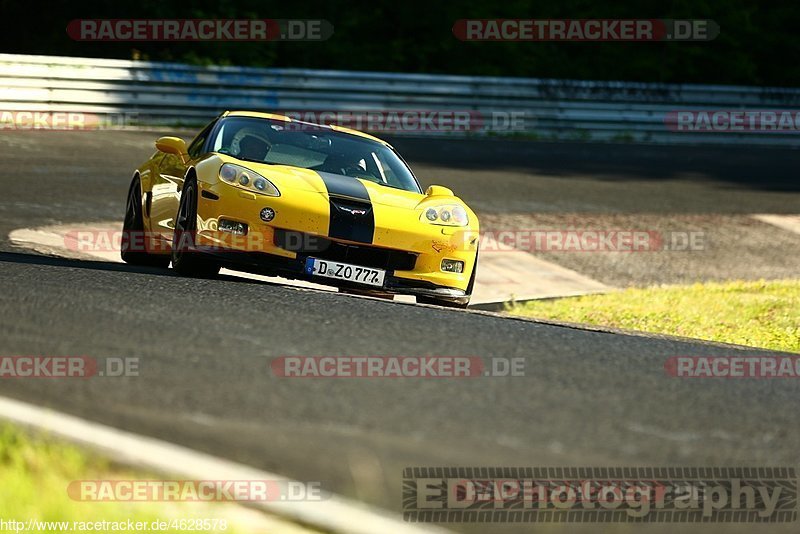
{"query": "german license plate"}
(345, 271)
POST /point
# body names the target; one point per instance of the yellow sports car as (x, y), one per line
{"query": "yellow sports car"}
(264, 193)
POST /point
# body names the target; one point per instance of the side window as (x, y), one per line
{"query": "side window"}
(196, 148)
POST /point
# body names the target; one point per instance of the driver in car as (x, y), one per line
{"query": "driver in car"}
(345, 164)
(250, 144)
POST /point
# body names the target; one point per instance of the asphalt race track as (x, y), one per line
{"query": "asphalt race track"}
(588, 398)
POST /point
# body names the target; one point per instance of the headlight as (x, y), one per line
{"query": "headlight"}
(228, 173)
(249, 179)
(447, 215)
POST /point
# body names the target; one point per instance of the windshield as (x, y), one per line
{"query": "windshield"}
(311, 147)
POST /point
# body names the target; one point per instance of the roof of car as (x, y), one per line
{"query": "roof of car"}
(277, 116)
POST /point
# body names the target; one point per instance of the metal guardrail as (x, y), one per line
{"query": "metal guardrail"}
(549, 109)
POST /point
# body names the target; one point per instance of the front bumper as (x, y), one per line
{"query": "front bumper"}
(294, 268)
(409, 250)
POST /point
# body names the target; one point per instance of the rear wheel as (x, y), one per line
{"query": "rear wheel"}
(133, 247)
(184, 260)
(450, 303)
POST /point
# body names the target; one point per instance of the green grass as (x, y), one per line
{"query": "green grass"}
(758, 314)
(36, 472)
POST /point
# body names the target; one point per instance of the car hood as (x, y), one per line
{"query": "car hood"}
(286, 178)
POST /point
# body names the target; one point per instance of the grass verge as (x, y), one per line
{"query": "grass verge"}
(764, 314)
(37, 470)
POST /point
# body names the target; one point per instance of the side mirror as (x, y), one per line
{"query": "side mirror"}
(439, 191)
(172, 145)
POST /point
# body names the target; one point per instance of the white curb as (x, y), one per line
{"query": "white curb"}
(333, 514)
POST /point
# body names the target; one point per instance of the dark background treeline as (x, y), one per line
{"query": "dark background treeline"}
(758, 43)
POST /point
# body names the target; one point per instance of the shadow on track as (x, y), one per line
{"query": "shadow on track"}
(53, 261)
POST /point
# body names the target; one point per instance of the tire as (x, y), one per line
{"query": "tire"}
(450, 303)
(134, 225)
(184, 261)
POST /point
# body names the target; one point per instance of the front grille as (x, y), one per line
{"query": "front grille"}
(326, 249)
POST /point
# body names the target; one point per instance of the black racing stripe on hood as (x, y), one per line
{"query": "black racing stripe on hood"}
(351, 211)
(344, 186)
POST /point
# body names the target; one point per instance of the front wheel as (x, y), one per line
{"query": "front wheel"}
(133, 234)
(184, 260)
